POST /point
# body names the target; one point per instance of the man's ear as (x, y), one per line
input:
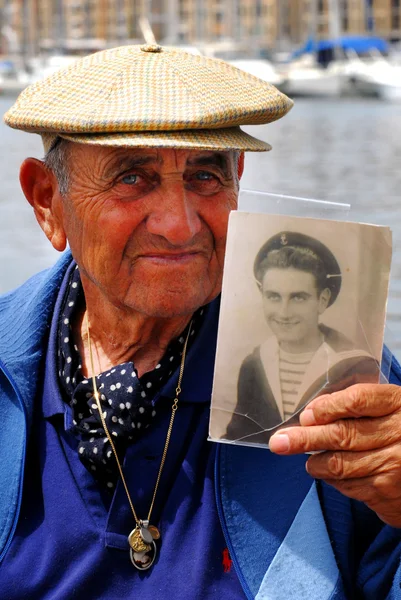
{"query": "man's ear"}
(240, 167)
(40, 188)
(324, 299)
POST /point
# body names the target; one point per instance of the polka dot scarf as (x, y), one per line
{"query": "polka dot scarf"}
(126, 400)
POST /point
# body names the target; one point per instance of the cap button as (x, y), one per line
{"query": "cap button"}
(151, 48)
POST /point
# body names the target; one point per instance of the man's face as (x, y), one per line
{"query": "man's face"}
(292, 306)
(148, 227)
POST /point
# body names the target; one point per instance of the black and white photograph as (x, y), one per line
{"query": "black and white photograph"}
(302, 314)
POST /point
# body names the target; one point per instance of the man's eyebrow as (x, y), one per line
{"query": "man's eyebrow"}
(292, 294)
(122, 164)
(217, 159)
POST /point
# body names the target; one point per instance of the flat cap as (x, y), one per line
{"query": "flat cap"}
(149, 96)
(315, 248)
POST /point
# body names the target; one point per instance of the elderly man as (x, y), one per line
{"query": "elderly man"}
(107, 360)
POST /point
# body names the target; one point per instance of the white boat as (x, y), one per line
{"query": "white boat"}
(382, 79)
(38, 69)
(343, 71)
(304, 77)
(259, 68)
(12, 86)
(52, 64)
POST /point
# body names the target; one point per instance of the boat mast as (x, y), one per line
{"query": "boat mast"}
(171, 26)
(25, 36)
(59, 27)
(335, 26)
(313, 20)
(369, 18)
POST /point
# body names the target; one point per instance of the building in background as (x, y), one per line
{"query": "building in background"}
(320, 18)
(31, 27)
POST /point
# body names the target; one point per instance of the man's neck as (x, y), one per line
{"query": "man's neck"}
(119, 334)
(310, 344)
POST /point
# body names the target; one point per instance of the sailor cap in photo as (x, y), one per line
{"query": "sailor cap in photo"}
(295, 240)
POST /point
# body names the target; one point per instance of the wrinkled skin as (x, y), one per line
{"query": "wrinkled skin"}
(359, 432)
(147, 228)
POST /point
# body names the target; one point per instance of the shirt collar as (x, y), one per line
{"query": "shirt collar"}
(53, 403)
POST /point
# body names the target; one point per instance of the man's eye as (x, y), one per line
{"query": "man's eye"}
(130, 179)
(272, 297)
(134, 185)
(299, 298)
(203, 182)
(204, 176)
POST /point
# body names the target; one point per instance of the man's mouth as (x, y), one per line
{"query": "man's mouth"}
(171, 258)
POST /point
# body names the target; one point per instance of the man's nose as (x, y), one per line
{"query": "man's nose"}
(175, 218)
(284, 309)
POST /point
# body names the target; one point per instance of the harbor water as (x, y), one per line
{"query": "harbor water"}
(341, 150)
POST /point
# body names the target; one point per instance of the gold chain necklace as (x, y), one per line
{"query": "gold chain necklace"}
(142, 538)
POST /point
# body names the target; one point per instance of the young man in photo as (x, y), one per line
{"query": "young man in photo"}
(299, 278)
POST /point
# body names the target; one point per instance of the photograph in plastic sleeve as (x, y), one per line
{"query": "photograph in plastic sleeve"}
(302, 314)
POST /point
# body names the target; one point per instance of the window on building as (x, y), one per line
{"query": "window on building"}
(395, 14)
(344, 15)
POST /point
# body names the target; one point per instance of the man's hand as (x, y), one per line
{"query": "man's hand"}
(359, 432)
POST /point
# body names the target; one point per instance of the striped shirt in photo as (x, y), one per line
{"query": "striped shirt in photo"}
(292, 369)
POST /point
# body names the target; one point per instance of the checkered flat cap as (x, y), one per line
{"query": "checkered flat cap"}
(149, 96)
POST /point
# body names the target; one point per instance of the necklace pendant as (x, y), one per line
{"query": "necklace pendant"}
(142, 545)
(146, 535)
(143, 560)
(136, 541)
(148, 532)
(154, 532)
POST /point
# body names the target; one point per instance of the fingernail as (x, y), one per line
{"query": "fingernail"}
(307, 417)
(279, 443)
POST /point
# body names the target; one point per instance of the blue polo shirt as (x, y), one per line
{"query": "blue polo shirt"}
(71, 538)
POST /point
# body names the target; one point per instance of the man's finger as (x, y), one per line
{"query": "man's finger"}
(346, 434)
(354, 465)
(362, 400)
(372, 490)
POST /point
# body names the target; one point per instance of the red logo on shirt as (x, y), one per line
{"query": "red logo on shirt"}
(227, 562)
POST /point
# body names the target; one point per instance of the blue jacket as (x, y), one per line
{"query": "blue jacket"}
(288, 536)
